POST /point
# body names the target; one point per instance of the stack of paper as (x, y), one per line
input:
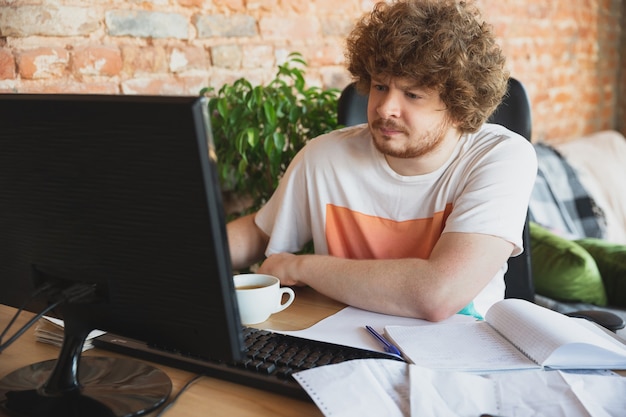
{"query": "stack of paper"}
(50, 330)
(441, 386)
(382, 387)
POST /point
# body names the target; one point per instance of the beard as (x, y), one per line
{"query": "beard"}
(415, 146)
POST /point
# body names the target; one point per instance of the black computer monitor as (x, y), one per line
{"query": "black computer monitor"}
(118, 196)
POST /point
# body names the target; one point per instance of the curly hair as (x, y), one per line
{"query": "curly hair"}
(442, 45)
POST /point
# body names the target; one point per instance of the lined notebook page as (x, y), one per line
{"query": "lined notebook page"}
(474, 346)
(553, 339)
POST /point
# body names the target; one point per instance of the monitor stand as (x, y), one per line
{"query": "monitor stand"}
(89, 386)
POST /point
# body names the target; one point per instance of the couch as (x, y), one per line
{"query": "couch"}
(577, 219)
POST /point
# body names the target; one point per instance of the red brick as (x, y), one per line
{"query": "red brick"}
(191, 3)
(186, 58)
(232, 5)
(293, 28)
(302, 7)
(43, 63)
(68, 87)
(7, 64)
(319, 56)
(177, 86)
(97, 60)
(258, 56)
(144, 59)
(262, 5)
(336, 6)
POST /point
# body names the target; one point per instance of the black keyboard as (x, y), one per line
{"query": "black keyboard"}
(270, 359)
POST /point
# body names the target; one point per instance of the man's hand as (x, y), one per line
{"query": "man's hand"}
(280, 265)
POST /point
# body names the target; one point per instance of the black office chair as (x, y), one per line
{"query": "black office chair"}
(351, 107)
(514, 113)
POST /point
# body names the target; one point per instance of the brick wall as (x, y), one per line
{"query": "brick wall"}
(568, 53)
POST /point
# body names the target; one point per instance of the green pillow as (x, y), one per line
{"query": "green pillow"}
(611, 261)
(564, 270)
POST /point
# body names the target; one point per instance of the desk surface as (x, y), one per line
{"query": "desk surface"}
(208, 396)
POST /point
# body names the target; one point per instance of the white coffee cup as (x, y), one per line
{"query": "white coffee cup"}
(259, 296)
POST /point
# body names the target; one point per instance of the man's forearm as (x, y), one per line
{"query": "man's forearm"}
(433, 289)
(385, 286)
(404, 287)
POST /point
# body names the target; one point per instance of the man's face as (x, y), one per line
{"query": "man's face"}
(406, 121)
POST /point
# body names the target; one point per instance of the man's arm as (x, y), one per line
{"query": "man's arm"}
(434, 289)
(246, 241)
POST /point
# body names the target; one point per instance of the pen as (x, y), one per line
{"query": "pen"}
(388, 346)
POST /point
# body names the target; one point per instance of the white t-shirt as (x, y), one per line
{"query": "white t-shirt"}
(340, 192)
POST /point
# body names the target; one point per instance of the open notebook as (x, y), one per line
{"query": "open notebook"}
(516, 334)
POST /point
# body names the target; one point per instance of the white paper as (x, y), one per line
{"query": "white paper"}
(373, 387)
(602, 396)
(347, 327)
(451, 394)
(561, 393)
(553, 339)
(475, 347)
(379, 387)
(50, 330)
(358, 388)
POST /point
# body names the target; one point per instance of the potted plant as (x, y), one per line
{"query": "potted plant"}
(259, 129)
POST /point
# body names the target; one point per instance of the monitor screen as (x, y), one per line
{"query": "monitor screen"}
(120, 194)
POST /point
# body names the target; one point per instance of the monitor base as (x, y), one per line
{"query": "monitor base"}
(109, 387)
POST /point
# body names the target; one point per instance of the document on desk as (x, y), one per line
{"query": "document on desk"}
(50, 330)
(347, 327)
(380, 387)
(516, 334)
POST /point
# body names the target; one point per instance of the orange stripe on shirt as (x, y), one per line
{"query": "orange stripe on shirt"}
(354, 235)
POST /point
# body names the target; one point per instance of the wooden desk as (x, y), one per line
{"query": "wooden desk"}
(208, 396)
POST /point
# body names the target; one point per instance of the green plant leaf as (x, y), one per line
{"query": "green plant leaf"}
(268, 147)
(259, 129)
(279, 140)
(270, 113)
(252, 135)
(222, 108)
(240, 143)
(242, 167)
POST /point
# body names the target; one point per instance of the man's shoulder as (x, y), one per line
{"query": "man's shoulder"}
(497, 137)
(492, 132)
(494, 145)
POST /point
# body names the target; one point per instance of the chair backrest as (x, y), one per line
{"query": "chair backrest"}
(514, 114)
(351, 107)
(514, 111)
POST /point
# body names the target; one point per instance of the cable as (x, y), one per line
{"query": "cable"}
(34, 294)
(28, 325)
(182, 390)
(71, 294)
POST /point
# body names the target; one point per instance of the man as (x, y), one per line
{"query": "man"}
(416, 213)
